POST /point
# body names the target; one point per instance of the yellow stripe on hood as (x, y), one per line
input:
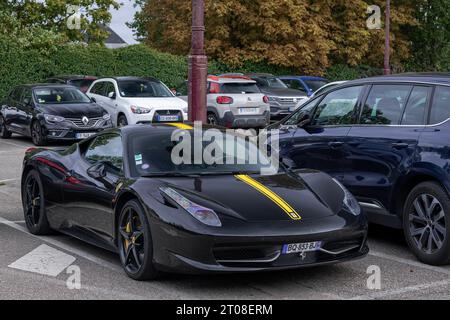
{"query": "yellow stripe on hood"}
(270, 194)
(180, 125)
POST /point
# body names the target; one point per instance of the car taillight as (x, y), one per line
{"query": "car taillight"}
(224, 100)
(266, 99)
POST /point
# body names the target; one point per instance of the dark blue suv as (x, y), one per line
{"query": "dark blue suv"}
(388, 140)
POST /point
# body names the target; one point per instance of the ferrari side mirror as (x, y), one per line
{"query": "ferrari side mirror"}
(97, 171)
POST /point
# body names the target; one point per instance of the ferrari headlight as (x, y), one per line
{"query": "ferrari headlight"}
(139, 110)
(51, 118)
(350, 202)
(202, 214)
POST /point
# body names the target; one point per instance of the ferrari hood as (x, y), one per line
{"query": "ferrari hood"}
(255, 197)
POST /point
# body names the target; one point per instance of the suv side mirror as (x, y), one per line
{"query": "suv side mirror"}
(93, 100)
(97, 171)
(112, 95)
(304, 120)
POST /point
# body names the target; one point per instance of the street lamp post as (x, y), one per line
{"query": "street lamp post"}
(198, 64)
(387, 40)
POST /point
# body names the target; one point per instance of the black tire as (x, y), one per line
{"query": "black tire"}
(135, 242)
(122, 121)
(426, 223)
(37, 135)
(33, 203)
(212, 119)
(4, 132)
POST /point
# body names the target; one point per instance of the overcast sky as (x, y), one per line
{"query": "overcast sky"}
(120, 17)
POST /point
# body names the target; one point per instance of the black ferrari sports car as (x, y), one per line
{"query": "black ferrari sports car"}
(120, 190)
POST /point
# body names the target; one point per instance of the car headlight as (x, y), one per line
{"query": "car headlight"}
(52, 119)
(350, 202)
(106, 116)
(202, 214)
(139, 110)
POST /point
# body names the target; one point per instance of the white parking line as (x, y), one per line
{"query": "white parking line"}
(14, 144)
(394, 292)
(68, 248)
(44, 260)
(409, 262)
(9, 180)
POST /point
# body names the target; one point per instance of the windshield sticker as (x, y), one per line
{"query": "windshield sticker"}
(138, 159)
(58, 98)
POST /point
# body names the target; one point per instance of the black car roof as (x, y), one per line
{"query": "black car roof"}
(427, 77)
(46, 85)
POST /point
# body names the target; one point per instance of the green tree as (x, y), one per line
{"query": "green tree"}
(306, 35)
(431, 37)
(52, 15)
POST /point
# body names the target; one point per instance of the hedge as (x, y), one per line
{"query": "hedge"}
(19, 65)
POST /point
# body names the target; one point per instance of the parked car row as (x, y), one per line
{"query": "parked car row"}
(61, 110)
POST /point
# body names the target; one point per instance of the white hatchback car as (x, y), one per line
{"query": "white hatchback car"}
(134, 100)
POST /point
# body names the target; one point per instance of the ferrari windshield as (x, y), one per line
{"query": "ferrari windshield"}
(60, 95)
(159, 155)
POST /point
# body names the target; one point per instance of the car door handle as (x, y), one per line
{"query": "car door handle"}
(400, 145)
(336, 144)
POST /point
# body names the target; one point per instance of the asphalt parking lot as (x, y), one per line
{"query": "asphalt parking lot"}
(40, 267)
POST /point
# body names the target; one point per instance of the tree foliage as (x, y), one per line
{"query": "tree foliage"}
(306, 35)
(52, 16)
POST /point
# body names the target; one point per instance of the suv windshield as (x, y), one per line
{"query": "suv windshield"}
(315, 84)
(143, 89)
(240, 88)
(272, 82)
(54, 95)
(152, 155)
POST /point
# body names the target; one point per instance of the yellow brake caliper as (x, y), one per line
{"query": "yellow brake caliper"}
(128, 230)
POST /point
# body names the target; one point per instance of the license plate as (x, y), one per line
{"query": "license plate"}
(301, 247)
(168, 118)
(248, 110)
(84, 135)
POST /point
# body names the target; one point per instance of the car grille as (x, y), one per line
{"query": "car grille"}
(78, 122)
(289, 101)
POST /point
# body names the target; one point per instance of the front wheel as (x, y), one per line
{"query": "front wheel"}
(122, 121)
(426, 223)
(37, 135)
(135, 242)
(4, 132)
(34, 204)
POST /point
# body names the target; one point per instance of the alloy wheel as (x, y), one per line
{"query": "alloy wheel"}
(33, 201)
(132, 240)
(36, 132)
(427, 224)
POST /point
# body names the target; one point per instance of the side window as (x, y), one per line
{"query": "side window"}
(295, 118)
(338, 107)
(16, 94)
(440, 110)
(385, 104)
(106, 147)
(417, 104)
(26, 97)
(98, 88)
(297, 85)
(109, 87)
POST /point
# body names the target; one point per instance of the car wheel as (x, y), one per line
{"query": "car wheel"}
(122, 121)
(212, 119)
(135, 242)
(33, 203)
(426, 223)
(36, 134)
(4, 132)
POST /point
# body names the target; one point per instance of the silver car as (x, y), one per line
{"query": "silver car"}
(235, 101)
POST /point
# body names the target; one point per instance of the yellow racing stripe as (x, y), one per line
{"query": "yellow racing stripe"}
(180, 125)
(270, 194)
